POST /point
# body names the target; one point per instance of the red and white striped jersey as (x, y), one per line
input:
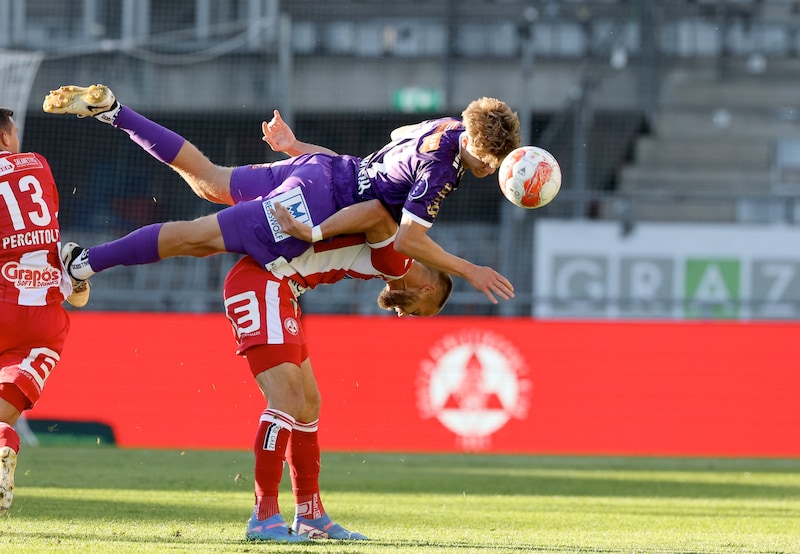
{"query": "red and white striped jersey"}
(345, 257)
(31, 272)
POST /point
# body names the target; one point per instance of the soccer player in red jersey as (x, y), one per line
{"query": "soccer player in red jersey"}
(33, 286)
(263, 309)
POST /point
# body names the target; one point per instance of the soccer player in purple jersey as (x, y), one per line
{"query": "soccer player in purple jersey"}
(414, 173)
(250, 225)
(262, 306)
(411, 177)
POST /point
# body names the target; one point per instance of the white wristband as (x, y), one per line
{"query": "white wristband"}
(316, 234)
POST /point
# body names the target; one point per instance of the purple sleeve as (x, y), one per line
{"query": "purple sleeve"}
(438, 173)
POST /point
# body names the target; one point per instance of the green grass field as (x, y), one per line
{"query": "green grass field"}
(104, 499)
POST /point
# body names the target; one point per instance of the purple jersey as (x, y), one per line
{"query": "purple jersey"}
(416, 171)
(413, 174)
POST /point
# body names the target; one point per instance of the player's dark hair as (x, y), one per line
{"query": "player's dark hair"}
(5, 118)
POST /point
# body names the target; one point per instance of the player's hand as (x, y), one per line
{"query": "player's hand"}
(277, 133)
(289, 224)
(491, 283)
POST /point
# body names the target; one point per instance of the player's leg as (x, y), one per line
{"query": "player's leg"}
(304, 460)
(24, 371)
(283, 390)
(263, 313)
(207, 180)
(198, 238)
(241, 229)
(9, 444)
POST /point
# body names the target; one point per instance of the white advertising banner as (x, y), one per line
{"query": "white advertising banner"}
(590, 269)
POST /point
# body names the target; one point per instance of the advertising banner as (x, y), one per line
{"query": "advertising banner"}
(666, 270)
(447, 384)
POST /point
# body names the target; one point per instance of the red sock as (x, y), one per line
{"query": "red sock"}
(304, 466)
(274, 430)
(9, 437)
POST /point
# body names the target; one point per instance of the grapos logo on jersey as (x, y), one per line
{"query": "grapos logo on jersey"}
(31, 277)
(294, 201)
(474, 382)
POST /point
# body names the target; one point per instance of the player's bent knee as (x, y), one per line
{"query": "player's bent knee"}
(282, 386)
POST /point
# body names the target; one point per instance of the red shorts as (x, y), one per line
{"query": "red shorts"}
(265, 316)
(30, 346)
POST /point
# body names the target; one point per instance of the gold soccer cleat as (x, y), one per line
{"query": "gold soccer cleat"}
(92, 101)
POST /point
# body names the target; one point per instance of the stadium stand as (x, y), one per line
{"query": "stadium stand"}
(656, 111)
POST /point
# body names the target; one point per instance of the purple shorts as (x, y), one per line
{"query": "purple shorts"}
(304, 185)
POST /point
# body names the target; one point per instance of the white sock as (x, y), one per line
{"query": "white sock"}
(110, 115)
(80, 268)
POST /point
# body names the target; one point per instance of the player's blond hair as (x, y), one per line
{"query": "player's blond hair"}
(444, 287)
(493, 129)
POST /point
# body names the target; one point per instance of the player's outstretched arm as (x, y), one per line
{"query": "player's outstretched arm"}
(368, 217)
(413, 241)
(281, 138)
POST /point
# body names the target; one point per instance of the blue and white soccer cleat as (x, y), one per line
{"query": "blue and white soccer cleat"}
(324, 528)
(8, 463)
(271, 529)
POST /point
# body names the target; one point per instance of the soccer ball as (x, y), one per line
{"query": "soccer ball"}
(529, 177)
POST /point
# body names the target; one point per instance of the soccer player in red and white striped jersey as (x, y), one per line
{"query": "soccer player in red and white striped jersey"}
(33, 286)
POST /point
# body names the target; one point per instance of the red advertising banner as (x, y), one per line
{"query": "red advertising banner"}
(509, 385)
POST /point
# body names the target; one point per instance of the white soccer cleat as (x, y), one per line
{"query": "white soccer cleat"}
(80, 287)
(93, 101)
(8, 463)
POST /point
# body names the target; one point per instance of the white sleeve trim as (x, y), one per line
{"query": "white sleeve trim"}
(417, 219)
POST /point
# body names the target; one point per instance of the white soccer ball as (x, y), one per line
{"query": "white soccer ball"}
(529, 177)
